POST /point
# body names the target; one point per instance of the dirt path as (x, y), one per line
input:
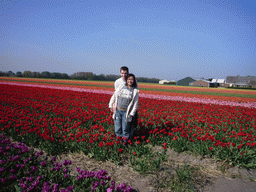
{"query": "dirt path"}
(210, 176)
(231, 179)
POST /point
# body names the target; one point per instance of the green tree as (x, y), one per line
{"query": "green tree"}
(101, 77)
(2, 73)
(46, 74)
(65, 76)
(36, 74)
(55, 75)
(19, 74)
(10, 74)
(112, 77)
(27, 74)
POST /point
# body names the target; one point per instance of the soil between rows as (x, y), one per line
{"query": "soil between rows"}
(211, 176)
(208, 173)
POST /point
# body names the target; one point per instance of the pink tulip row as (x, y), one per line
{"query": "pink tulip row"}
(143, 95)
(199, 100)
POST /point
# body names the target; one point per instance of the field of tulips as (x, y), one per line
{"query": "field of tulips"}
(194, 94)
(23, 169)
(59, 118)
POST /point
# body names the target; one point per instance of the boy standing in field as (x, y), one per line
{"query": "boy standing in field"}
(124, 71)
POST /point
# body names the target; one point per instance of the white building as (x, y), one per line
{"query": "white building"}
(163, 81)
(219, 82)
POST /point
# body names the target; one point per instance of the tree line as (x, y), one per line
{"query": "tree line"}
(77, 75)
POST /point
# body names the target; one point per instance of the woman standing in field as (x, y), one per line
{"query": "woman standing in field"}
(124, 104)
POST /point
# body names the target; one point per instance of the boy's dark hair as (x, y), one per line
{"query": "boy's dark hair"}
(124, 68)
(134, 82)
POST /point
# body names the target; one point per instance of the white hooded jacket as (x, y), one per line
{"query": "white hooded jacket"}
(132, 107)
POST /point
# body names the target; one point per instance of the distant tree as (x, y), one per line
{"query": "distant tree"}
(101, 77)
(36, 74)
(46, 74)
(84, 76)
(147, 80)
(2, 73)
(91, 77)
(65, 76)
(56, 75)
(72, 76)
(155, 80)
(27, 74)
(10, 74)
(112, 77)
(19, 74)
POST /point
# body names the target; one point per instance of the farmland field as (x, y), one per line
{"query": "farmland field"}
(60, 116)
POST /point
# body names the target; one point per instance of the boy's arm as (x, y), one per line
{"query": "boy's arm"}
(116, 84)
(112, 101)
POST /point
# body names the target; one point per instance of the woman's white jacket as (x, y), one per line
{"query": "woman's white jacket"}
(132, 107)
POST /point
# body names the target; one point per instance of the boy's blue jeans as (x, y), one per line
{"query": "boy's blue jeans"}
(121, 126)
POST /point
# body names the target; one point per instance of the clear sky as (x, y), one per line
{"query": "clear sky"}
(165, 39)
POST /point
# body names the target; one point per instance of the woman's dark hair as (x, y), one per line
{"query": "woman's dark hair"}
(134, 82)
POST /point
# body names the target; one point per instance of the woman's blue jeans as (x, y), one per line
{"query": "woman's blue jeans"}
(121, 126)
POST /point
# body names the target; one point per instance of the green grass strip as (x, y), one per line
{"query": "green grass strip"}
(146, 89)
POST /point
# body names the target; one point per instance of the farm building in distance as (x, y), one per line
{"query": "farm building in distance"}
(218, 83)
(163, 81)
(238, 81)
(200, 83)
(185, 81)
(230, 81)
(207, 83)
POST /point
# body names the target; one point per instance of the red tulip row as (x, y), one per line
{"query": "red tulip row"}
(67, 118)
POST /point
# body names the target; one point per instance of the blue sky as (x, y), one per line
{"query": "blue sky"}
(165, 39)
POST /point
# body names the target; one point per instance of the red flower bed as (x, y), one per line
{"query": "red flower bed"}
(68, 120)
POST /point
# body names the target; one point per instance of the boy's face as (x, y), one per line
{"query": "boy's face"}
(124, 74)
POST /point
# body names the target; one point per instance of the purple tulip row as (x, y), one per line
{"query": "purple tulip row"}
(22, 169)
(35, 184)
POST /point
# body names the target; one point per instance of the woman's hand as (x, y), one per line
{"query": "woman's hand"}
(129, 118)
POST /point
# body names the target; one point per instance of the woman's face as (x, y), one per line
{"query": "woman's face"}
(130, 81)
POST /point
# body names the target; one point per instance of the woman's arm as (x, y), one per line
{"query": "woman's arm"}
(135, 104)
